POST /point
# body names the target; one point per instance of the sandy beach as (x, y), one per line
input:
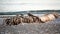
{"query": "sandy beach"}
(52, 27)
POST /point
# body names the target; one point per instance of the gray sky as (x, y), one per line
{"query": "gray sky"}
(23, 5)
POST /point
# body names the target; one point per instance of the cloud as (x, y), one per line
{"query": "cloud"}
(22, 5)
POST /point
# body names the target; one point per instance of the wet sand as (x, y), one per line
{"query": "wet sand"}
(52, 27)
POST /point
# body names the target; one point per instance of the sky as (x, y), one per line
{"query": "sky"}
(25, 5)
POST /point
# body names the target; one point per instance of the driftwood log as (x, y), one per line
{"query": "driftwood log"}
(31, 19)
